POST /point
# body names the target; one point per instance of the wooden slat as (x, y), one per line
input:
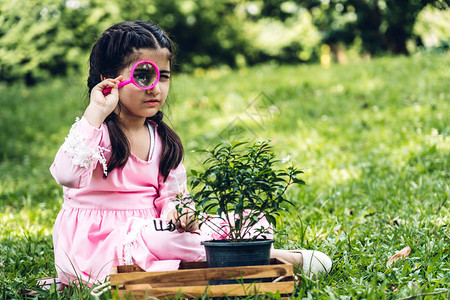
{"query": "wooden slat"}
(193, 265)
(139, 287)
(129, 269)
(174, 277)
(214, 290)
(204, 264)
(192, 282)
(183, 265)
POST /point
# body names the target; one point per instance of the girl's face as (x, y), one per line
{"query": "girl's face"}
(138, 103)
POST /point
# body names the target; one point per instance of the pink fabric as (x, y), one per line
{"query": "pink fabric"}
(109, 221)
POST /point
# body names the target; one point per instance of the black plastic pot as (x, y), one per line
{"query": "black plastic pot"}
(224, 253)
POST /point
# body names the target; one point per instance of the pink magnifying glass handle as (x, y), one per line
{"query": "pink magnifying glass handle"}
(121, 84)
(144, 75)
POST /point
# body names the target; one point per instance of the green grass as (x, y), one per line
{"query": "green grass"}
(372, 135)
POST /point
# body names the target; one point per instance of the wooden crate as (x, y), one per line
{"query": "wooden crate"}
(192, 280)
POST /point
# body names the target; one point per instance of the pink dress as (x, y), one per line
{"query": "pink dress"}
(109, 221)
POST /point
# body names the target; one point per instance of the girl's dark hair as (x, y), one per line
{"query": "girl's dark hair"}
(112, 53)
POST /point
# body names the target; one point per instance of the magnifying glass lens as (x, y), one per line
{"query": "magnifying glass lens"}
(145, 75)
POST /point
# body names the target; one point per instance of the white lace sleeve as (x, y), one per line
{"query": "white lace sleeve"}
(75, 146)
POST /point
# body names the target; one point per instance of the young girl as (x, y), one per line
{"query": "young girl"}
(121, 168)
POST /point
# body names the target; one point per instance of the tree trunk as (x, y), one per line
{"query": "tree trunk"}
(396, 39)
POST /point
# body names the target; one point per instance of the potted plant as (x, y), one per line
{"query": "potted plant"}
(238, 188)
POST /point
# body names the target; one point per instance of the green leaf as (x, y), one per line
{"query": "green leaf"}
(270, 219)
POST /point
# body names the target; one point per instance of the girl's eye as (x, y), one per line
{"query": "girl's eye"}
(142, 77)
(164, 75)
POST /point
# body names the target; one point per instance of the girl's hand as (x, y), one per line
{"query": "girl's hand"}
(102, 105)
(183, 221)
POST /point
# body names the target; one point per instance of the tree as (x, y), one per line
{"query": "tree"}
(39, 39)
(382, 25)
(46, 38)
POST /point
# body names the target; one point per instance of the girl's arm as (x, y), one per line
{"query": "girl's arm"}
(174, 185)
(79, 155)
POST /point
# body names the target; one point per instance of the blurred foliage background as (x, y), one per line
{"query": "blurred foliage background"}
(43, 38)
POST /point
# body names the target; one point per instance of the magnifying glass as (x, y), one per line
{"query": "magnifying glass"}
(144, 75)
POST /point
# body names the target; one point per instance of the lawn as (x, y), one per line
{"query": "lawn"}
(373, 137)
